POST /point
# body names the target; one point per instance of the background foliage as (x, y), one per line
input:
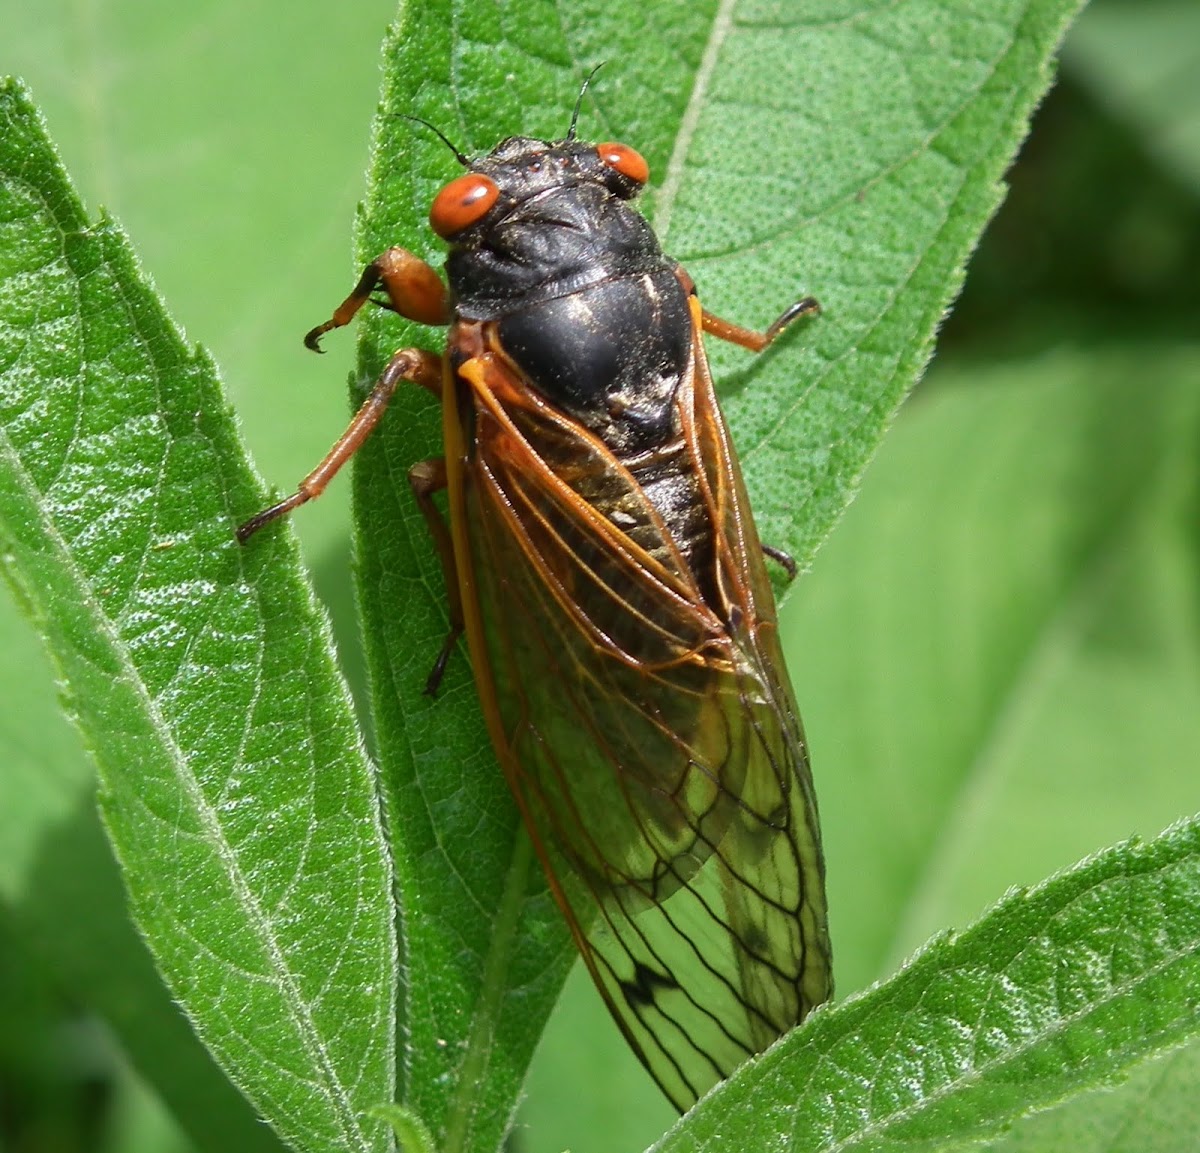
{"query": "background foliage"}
(996, 652)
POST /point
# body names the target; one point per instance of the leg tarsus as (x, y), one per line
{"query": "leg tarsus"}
(784, 559)
(806, 306)
(434, 680)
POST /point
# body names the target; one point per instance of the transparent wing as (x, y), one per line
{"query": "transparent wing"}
(649, 735)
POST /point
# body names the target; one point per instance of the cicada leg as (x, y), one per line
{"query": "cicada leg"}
(409, 364)
(425, 478)
(748, 337)
(413, 290)
(757, 341)
(785, 560)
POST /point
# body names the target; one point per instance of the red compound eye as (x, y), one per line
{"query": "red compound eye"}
(461, 203)
(624, 160)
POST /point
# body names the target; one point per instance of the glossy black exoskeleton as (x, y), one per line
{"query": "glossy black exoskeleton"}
(588, 306)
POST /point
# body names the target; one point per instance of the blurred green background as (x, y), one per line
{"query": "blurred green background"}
(997, 653)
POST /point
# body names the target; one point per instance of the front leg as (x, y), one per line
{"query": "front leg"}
(413, 289)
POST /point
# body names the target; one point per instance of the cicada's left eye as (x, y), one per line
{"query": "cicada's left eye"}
(461, 203)
(628, 167)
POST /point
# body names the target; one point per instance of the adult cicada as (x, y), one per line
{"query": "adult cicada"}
(601, 558)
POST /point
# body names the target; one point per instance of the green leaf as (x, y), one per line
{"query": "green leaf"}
(1059, 988)
(853, 153)
(231, 781)
(61, 893)
(230, 142)
(779, 174)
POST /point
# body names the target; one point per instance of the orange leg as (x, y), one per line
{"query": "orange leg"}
(756, 342)
(409, 364)
(747, 337)
(413, 289)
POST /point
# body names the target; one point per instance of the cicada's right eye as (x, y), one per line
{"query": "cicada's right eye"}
(461, 203)
(628, 168)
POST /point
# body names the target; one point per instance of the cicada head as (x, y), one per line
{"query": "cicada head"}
(536, 218)
(523, 169)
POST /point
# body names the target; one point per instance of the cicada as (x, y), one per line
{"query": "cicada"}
(602, 560)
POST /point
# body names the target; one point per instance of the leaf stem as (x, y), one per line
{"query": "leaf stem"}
(483, 1028)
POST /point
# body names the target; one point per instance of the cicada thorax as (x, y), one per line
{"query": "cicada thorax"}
(577, 301)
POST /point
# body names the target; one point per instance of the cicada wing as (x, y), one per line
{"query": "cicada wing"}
(738, 955)
(657, 761)
(750, 605)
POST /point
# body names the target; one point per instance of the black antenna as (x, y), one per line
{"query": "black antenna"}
(579, 101)
(441, 135)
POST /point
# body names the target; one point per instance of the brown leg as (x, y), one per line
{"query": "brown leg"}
(784, 559)
(427, 477)
(409, 364)
(757, 341)
(414, 291)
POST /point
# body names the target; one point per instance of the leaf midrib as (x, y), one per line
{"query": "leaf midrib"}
(665, 196)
